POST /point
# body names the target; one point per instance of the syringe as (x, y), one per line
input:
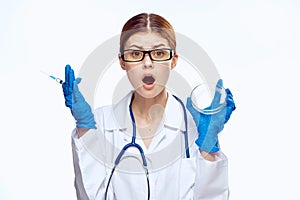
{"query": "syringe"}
(58, 80)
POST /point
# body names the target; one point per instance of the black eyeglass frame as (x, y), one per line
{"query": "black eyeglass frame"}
(147, 52)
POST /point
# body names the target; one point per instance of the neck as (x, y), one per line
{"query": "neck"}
(141, 105)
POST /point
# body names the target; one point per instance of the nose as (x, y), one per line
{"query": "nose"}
(147, 61)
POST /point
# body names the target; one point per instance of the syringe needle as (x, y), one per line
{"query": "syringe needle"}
(44, 73)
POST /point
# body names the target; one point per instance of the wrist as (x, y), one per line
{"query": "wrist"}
(208, 156)
(81, 131)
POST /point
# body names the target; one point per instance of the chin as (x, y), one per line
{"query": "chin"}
(155, 91)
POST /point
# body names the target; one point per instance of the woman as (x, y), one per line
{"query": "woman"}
(151, 119)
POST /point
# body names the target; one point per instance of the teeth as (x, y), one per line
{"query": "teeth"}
(148, 80)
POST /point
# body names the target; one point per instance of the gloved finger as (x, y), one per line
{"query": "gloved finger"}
(78, 80)
(192, 110)
(68, 97)
(230, 107)
(229, 99)
(216, 100)
(69, 78)
(76, 93)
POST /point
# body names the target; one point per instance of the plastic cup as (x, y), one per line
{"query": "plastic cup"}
(203, 95)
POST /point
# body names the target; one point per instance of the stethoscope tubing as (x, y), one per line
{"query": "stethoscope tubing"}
(135, 145)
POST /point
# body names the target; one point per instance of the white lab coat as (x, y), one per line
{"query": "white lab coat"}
(171, 174)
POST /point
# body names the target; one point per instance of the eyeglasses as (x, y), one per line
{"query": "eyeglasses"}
(132, 55)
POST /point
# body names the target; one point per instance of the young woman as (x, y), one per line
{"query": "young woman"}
(147, 146)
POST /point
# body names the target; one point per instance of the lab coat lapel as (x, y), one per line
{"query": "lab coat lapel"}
(121, 118)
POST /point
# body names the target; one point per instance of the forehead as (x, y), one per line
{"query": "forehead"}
(146, 40)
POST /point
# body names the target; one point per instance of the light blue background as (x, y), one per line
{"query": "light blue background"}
(254, 44)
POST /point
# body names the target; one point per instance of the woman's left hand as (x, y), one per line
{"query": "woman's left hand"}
(209, 126)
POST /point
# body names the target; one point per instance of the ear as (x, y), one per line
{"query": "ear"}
(174, 61)
(122, 63)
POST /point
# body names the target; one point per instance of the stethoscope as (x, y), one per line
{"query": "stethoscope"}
(133, 144)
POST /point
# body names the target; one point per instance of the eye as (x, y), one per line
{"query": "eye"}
(159, 53)
(136, 53)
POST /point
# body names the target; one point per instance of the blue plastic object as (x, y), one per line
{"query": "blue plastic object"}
(209, 126)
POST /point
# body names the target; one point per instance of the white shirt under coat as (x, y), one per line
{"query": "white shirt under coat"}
(171, 174)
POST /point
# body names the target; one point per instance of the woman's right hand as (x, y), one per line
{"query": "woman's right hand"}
(80, 109)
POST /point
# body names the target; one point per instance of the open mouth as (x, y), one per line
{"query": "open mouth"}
(148, 80)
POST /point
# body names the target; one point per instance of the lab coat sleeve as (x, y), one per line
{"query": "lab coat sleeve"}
(211, 178)
(90, 173)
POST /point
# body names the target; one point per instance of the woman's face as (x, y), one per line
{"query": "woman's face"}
(148, 77)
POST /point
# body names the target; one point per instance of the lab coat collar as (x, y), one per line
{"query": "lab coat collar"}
(173, 116)
(121, 115)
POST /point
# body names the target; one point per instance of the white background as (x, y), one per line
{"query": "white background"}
(254, 44)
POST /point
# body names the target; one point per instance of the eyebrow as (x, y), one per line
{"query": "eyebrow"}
(140, 47)
(133, 45)
(159, 45)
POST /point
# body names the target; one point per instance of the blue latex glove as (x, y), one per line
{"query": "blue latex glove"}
(80, 109)
(209, 126)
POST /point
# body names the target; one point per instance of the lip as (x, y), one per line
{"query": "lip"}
(148, 81)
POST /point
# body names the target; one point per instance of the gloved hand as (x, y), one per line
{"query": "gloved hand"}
(80, 109)
(209, 126)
